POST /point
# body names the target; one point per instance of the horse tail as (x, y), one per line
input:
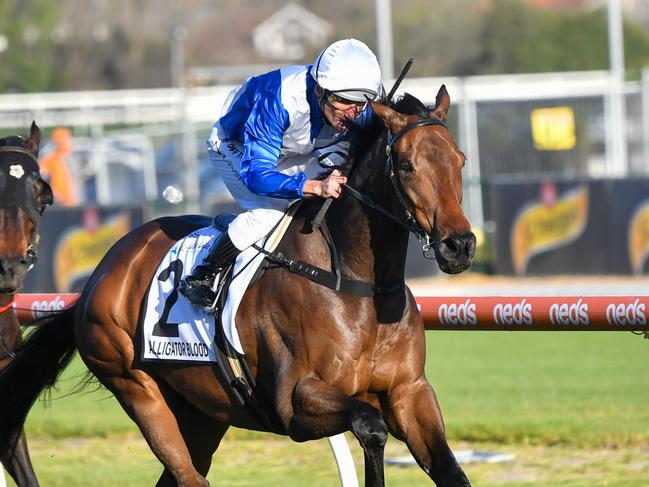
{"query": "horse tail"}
(37, 364)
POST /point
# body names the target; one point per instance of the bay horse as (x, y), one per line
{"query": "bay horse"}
(23, 197)
(323, 361)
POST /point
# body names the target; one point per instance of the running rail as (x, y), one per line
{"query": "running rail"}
(515, 313)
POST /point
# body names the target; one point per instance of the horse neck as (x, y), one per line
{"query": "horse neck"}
(371, 246)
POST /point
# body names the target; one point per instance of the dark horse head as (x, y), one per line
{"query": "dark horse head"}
(23, 197)
(424, 165)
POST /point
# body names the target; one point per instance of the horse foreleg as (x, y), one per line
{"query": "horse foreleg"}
(19, 465)
(320, 410)
(414, 416)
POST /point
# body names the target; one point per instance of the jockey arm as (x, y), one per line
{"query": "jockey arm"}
(262, 136)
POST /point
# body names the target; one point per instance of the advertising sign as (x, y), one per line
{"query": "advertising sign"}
(73, 241)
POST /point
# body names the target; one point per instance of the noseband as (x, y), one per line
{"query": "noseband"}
(408, 220)
(18, 171)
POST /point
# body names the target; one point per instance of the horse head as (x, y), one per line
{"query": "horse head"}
(425, 166)
(24, 195)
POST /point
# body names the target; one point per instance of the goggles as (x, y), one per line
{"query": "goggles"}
(336, 99)
(341, 103)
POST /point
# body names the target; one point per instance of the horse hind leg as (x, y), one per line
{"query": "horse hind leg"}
(143, 401)
(18, 464)
(202, 435)
(108, 352)
(414, 417)
(320, 410)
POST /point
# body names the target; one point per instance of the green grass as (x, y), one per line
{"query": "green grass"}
(573, 407)
(582, 389)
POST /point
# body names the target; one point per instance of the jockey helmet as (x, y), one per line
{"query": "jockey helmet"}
(350, 69)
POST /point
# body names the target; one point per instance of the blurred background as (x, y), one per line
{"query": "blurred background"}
(550, 104)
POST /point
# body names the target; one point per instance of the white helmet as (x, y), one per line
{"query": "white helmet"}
(349, 68)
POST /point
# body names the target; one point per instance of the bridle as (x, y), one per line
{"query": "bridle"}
(18, 170)
(407, 220)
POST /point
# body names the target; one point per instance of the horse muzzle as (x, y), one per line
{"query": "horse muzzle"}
(12, 273)
(455, 253)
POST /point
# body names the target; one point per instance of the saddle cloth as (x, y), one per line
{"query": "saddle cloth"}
(173, 329)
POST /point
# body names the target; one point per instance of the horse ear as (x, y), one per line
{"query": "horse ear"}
(442, 104)
(393, 120)
(34, 141)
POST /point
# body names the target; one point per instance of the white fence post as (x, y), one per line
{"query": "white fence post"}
(344, 460)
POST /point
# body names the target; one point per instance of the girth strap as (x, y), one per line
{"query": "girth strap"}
(329, 279)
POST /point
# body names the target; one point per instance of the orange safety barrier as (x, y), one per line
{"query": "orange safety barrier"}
(517, 313)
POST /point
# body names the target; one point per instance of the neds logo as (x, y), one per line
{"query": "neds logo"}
(41, 308)
(569, 314)
(513, 314)
(621, 314)
(457, 314)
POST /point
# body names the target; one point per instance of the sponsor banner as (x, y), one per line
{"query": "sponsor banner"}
(629, 225)
(561, 226)
(73, 241)
(553, 128)
(30, 306)
(639, 237)
(548, 223)
(554, 313)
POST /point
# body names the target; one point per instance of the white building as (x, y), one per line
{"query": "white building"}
(290, 33)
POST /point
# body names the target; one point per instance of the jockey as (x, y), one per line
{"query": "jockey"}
(280, 139)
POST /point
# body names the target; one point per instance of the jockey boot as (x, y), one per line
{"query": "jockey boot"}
(197, 287)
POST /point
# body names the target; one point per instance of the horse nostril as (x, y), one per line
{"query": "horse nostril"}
(449, 248)
(458, 246)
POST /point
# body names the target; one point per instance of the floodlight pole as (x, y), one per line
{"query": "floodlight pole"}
(384, 37)
(616, 143)
(189, 164)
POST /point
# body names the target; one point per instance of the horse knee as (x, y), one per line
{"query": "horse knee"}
(369, 428)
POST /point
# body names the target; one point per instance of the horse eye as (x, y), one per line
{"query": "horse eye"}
(406, 165)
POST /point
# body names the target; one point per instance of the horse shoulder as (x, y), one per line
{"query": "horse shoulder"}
(400, 352)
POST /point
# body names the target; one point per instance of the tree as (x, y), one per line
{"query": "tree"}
(518, 38)
(27, 63)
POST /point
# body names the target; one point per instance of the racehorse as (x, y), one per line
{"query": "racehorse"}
(23, 197)
(323, 361)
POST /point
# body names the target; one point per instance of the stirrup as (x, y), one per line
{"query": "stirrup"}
(200, 296)
(200, 279)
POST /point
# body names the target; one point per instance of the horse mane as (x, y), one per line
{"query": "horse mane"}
(366, 136)
(410, 105)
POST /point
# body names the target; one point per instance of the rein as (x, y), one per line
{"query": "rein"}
(410, 222)
(18, 173)
(334, 280)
